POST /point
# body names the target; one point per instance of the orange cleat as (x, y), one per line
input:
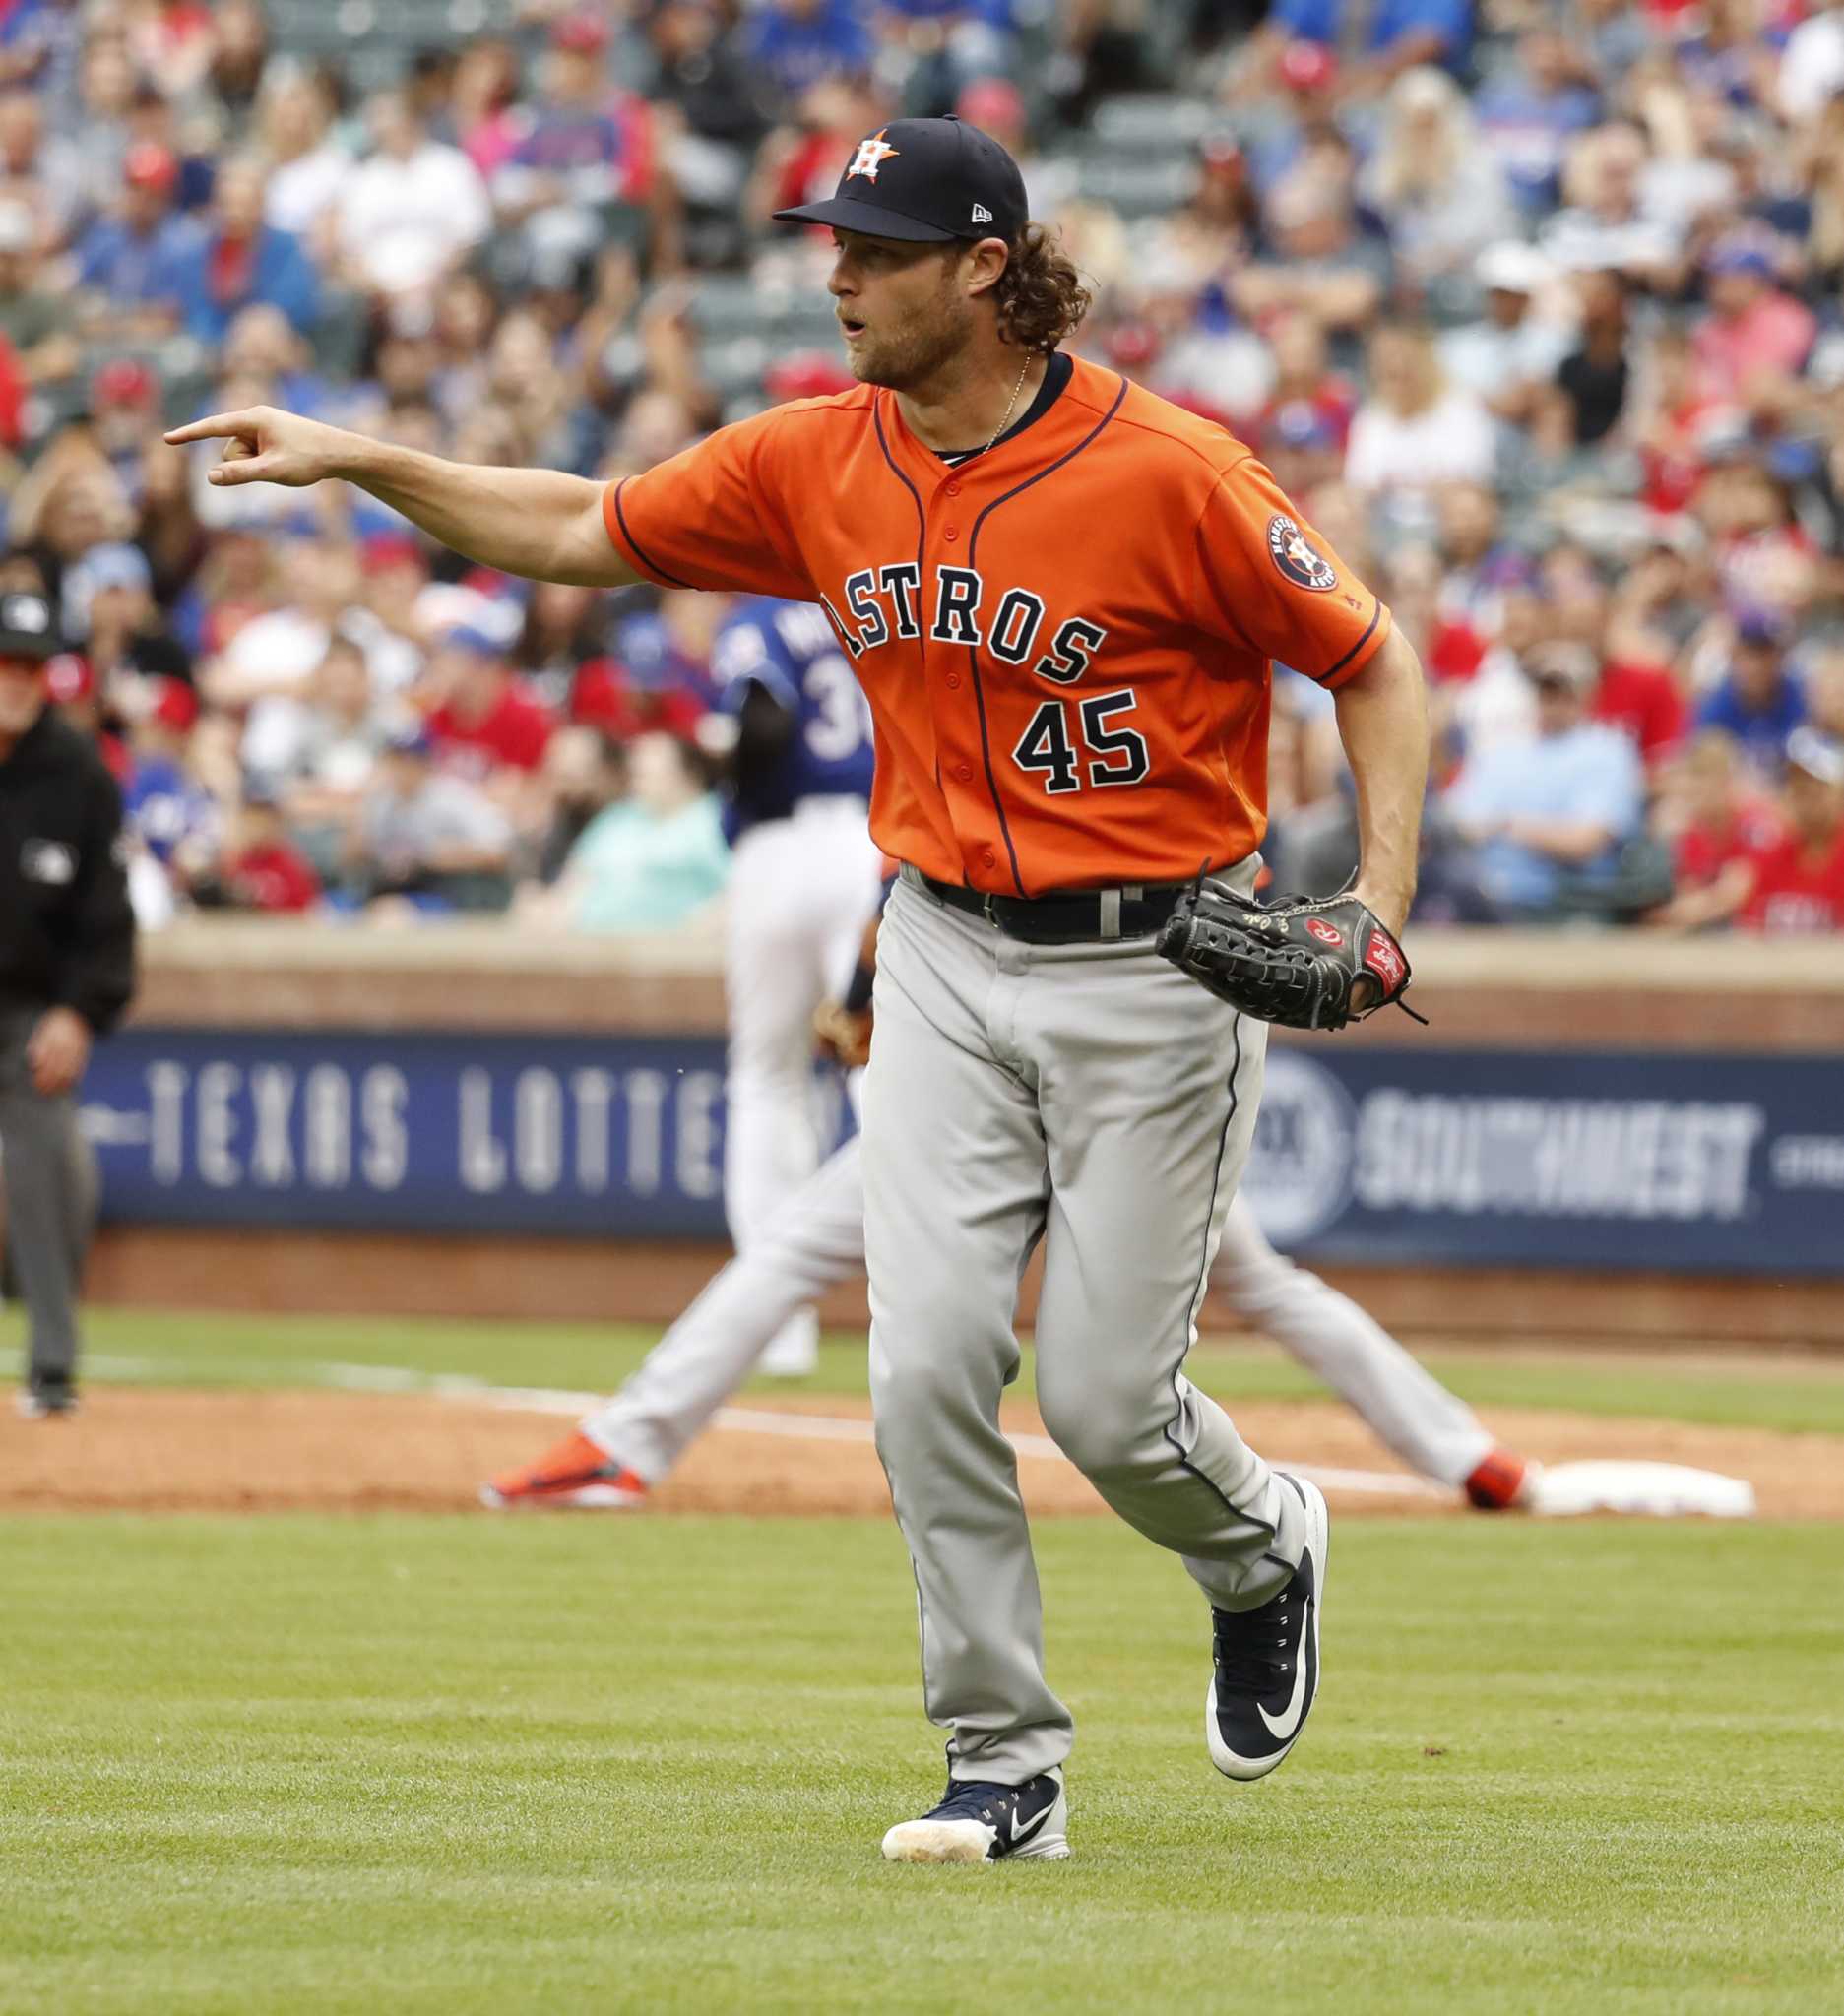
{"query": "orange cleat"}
(1497, 1482)
(573, 1473)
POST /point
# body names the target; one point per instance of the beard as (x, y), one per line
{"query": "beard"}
(917, 353)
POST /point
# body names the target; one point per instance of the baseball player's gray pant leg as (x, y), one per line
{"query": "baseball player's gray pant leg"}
(815, 1239)
(1093, 1096)
(1405, 1406)
(50, 1194)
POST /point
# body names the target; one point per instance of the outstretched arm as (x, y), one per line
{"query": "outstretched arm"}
(538, 523)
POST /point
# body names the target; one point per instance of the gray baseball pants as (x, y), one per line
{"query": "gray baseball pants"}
(50, 1202)
(1091, 1096)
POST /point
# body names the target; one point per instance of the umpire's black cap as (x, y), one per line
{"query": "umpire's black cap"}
(25, 628)
(928, 180)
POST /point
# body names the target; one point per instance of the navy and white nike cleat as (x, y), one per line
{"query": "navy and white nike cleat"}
(986, 1823)
(1267, 1660)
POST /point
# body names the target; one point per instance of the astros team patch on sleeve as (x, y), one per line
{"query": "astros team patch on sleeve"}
(1296, 558)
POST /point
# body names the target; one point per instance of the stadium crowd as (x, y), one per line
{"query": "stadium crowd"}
(1534, 310)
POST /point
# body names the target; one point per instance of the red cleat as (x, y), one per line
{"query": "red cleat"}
(1497, 1479)
(573, 1473)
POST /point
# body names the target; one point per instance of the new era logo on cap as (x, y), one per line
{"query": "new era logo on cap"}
(924, 181)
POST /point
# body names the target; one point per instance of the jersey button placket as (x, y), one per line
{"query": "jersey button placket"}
(950, 533)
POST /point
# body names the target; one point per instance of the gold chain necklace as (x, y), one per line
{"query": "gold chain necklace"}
(1007, 419)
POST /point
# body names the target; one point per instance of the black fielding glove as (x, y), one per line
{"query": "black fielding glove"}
(1298, 963)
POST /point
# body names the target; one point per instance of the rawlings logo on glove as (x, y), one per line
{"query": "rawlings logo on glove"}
(1296, 961)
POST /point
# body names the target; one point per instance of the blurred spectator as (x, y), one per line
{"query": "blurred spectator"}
(1509, 355)
(135, 266)
(1416, 430)
(794, 43)
(650, 861)
(261, 867)
(309, 169)
(586, 146)
(412, 208)
(1530, 112)
(1440, 193)
(1715, 818)
(1543, 821)
(480, 717)
(266, 665)
(482, 104)
(1812, 65)
(1322, 264)
(1796, 883)
(172, 814)
(429, 836)
(1609, 225)
(1760, 700)
(40, 170)
(1592, 382)
(239, 58)
(37, 322)
(1754, 330)
(1397, 35)
(243, 263)
(585, 773)
(109, 594)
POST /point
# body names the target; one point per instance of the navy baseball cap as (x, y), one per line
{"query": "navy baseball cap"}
(924, 181)
(27, 629)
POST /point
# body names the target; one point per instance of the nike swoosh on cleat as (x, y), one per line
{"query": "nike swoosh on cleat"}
(1285, 1727)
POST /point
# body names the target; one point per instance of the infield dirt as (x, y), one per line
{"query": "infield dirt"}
(157, 1449)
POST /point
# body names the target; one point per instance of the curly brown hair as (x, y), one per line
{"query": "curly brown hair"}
(1041, 296)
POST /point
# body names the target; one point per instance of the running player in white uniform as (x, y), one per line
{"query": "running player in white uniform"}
(805, 873)
(630, 1444)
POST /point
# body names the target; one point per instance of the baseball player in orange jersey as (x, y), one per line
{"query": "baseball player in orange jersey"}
(1062, 597)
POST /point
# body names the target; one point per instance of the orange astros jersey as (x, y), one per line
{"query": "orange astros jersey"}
(1065, 641)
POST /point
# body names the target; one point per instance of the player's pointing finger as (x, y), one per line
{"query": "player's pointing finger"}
(216, 427)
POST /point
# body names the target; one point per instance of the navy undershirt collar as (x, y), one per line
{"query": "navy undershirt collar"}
(1056, 377)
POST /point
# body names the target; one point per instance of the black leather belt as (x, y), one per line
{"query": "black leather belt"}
(1089, 917)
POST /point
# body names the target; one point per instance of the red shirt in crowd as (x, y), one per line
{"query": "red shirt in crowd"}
(513, 733)
(1797, 887)
(274, 877)
(602, 697)
(1703, 851)
(1645, 702)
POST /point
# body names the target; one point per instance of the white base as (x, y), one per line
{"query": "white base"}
(1660, 1490)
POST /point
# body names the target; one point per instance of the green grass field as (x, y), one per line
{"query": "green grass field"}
(219, 1349)
(462, 1765)
(467, 1765)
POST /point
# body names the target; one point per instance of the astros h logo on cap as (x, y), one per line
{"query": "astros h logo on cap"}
(926, 182)
(870, 153)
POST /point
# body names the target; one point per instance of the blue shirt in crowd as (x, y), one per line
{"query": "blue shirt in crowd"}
(1589, 774)
(136, 271)
(795, 53)
(279, 275)
(1321, 21)
(1761, 731)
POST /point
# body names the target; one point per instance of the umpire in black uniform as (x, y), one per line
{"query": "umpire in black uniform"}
(67, 963)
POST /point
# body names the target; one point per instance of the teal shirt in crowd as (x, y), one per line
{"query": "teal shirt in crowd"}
(633, 871)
